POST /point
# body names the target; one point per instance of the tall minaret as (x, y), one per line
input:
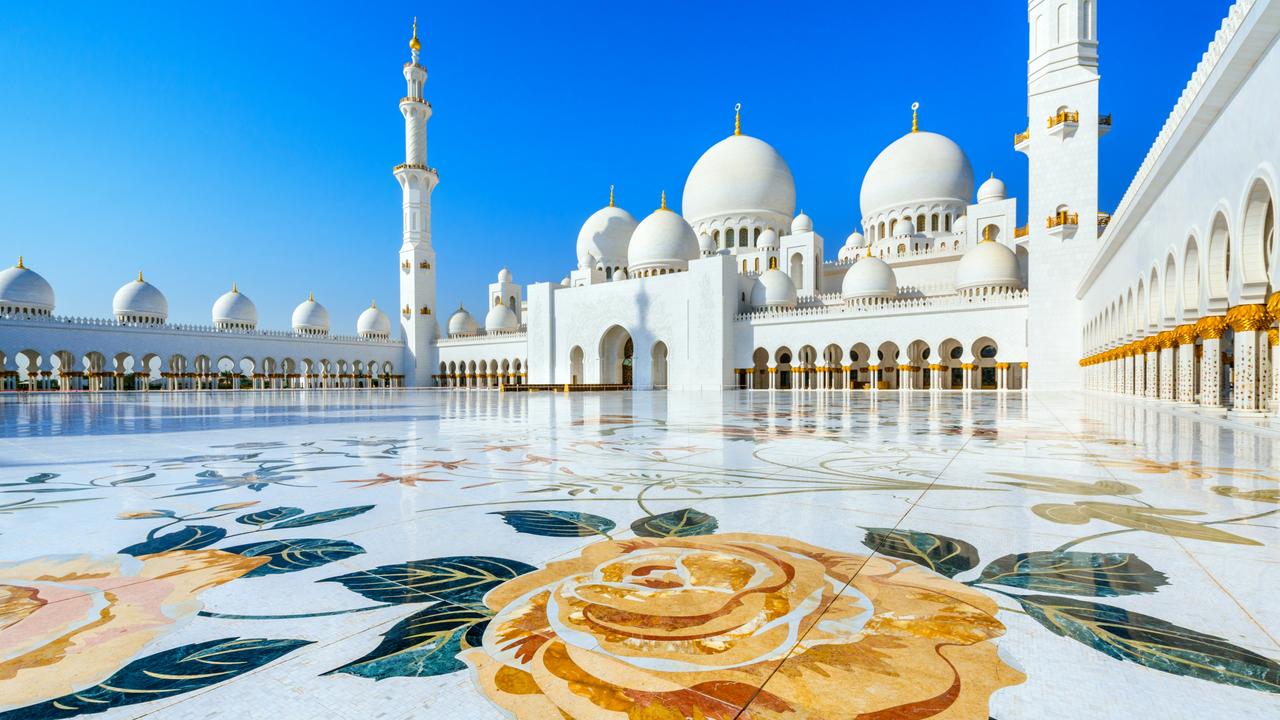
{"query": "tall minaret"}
(1061, 144)
(417, 258)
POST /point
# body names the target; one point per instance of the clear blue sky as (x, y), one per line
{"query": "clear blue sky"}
(254, 142)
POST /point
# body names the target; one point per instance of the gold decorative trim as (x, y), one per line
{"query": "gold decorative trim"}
(1211, 328)
(1248, 318)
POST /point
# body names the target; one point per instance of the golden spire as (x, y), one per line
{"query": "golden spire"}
(373, 302)
(20, 266)
(664, 200)
(311, 297)
(915, 117)
(610, 196)
(140, 276)
(737, 119)
(414, 45)
(234, 288)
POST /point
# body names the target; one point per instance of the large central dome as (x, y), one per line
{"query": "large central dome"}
(739, 175)
(919, 167)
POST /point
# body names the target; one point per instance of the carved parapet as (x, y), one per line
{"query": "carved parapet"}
(1248, 318)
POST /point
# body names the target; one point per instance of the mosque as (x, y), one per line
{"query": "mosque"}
(1171, 297)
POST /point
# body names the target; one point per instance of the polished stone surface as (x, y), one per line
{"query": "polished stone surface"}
(649, 555)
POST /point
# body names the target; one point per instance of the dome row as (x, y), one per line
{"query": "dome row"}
(23, 291)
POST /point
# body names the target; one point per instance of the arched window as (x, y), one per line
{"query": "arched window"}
(1063, 23)
(946, 220)
(608, 273)
(728, 237)
(933, 223)
(757, 264)
(756, 240)
(744, 266)
(880, 233)
(715, 237)
(920, 226)
(742, 237)
(902, 248)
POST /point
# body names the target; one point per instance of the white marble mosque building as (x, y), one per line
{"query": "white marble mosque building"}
(1171, 297)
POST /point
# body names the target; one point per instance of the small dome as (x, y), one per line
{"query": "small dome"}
(462, 323)
(904, 227)
(605, 236)
(310, 318)
(736, 176)
(768, 240)
(992, 190)
(988, 266)
(500, 319)
(234, 311)
(961, 225)
(870, 278)
(139, 301)
(773, 289)
(565, 281)
(24, 291)
(662, 241)
(373, 324)
(853, 245)
(504, 275)
(917, 168)
(801, 224)
(706, 245)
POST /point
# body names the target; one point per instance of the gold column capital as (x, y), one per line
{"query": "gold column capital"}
(1185, 334)
(1273, 336)
(1248, 318)
(1273, 306)
(1211, 328)
(1166, 340)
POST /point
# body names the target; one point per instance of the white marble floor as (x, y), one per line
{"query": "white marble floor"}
(651, 555)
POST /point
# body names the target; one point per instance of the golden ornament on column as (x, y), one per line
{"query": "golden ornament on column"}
(1166, 340)
(1273, 306)
(1247, 318)
(1211, 328)
(1185, 334)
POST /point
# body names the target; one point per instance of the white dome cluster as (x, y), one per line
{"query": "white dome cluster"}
(234, 311)
(462, 323)
(662, 243)
(139, 302)
(310, 318)
(373, 324)
(740, 175)
(852, 247)
(772, 290)
(917, 168)
(24, 291)
(988, 268)
(500, 319)
(869, 279)
(604, 237)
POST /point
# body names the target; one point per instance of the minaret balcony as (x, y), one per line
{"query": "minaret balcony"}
(420, 101)
(1022, 140)
(1064, 123)
(1104, 124)
(416, 166)
(1062, 224)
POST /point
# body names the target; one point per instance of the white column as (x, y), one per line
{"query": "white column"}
(1186, 389)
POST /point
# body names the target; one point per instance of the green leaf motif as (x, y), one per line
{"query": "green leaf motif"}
(134, 479)
(1075, 573)
(323, 517)
(460, 579)
(1153, 643)
(42, 477)
(1134, 517)
(556, 523)
(1063, 486)
(425, 643)
(266, 517)
(191, 537)
(164, 675)
(677, 523)
(296, 554)
(941, 554)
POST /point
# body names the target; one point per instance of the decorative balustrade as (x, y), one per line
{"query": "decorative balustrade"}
(833, 307)
(1063, 116)
(1022, 232)
(1104, 219)
(1019, 138)
(1208, 62)
(88, 322)
(1062, 218)
(482, 337)
(1105, 120)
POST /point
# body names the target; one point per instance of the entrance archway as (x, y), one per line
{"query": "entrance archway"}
(616, 354)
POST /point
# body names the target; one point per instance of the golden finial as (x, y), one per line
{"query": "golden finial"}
(986, 234)
(414, 45)
(915, 117)
(664, 200)
(610, 196)
(20, 265)
(311, 297)
(234, 287)
(373, 302)
(737, 119)
(140, 276)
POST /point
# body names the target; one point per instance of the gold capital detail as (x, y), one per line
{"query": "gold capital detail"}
(1185, 334)
(1273, 306)
(1211, 328)
(1166, 340)
(1248, 318)
(1273, 336)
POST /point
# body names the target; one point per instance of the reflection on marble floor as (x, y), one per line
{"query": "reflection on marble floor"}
(646, 556)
